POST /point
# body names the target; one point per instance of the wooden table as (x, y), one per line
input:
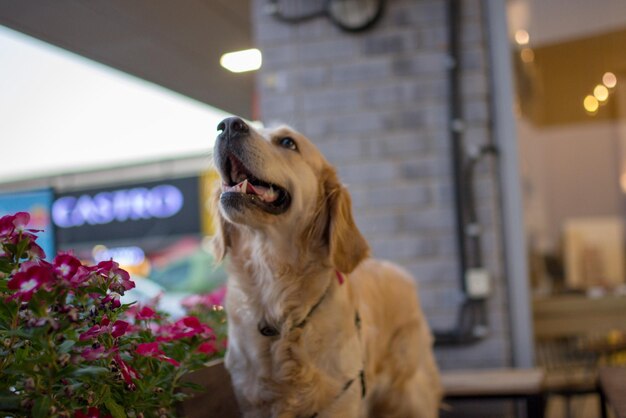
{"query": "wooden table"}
(613, 390)
(514, 384)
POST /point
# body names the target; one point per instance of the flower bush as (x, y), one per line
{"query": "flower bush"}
(70, 348)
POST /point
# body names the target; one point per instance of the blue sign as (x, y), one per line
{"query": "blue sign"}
(162, 201)
(38, 204)
(124, 215)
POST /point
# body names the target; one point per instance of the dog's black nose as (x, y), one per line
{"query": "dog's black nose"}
(232, 126)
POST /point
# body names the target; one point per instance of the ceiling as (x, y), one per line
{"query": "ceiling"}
(174, 44)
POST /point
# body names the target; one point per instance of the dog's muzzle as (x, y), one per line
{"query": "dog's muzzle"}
(241, 186)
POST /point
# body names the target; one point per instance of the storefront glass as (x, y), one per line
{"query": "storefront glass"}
(570, 79)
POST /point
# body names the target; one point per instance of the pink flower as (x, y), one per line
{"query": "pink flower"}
(91, 353)
(186, 327)
(66, 266)
(208, 300)
(207, 348)
(116, 330)
(146, 313)
(96, 330)
(6, 226)
(14, 224)
(13, 229)
(114, 299)
(119, 328)
(20, 221)
(119, 279)
(35, 251)
(152, 350)
(128, 373)
(29, 281)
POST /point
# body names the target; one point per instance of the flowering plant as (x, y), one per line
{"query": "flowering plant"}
(70, 348)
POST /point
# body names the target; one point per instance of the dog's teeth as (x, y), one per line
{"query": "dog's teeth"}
(244, 186)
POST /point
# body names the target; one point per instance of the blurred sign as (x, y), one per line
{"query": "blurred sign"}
(165, 208)
(37, 203)
(162, 201)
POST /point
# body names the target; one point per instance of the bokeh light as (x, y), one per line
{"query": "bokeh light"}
(522, 37)
(528, 55)
(609, 79)
(601, 93)
(591, 104)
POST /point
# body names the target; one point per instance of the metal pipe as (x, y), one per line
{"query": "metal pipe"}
(471, 324)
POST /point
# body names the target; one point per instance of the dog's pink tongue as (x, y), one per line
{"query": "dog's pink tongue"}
(267, 194)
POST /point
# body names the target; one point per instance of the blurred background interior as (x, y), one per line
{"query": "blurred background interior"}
(483, 141)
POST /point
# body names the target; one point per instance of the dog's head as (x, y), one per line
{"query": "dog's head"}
(278, 183)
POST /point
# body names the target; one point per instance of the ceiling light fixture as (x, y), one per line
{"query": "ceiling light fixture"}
(242, 61)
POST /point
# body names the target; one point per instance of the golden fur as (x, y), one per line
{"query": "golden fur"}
(282, 265)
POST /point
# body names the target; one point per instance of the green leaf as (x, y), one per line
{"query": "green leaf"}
(21, 246)
(114, 408)
(103, 395)
(66, 346)
(91, 370)
(41, 407)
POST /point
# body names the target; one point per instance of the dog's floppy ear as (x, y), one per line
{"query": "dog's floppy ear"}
(347, 246)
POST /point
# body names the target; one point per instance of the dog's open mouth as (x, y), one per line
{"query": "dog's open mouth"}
(240, 185)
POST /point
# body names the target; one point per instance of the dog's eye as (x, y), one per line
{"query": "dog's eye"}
(288, 142)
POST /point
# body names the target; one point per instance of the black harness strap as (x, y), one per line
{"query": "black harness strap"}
(363, 385)
(268, 330)
(313, 308)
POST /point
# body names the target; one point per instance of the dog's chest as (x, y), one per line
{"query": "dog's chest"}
(327, 341)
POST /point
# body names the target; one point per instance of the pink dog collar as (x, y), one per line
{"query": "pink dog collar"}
(340, 278)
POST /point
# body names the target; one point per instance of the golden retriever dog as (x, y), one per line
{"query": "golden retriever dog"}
(316, 328)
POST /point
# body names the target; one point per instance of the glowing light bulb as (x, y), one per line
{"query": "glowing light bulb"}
(522, 37)
(609, 79)
(591, 104)
(242, 61)
(601, 93)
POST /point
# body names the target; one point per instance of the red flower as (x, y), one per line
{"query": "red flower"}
(119, 328)
(29, 281)
(94, 353)
(6, 226)
(152, 350)
(66, 266)
(114, 299)
(208, 300)
(186, 327)
(20, 221)
(128, 373)
(146, 313)
(96, 330)
(116, 330)
(207, 348)
(119, 279)
(13, 229)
